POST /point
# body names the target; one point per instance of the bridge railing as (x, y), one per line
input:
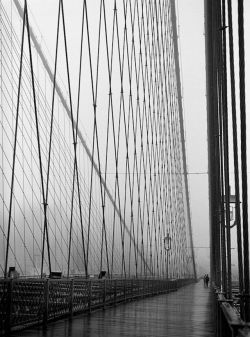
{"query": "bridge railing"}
(228, 320)
(25, 302)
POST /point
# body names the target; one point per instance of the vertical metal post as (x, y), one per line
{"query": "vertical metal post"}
(226, 151)
(46, 303)
(243, 155)
(213, 141)
(8, 320)
(90, 295)
(104, 293)
(71, 300)
(125, 289)
(167, 264)
(115, 292)
(235, 147)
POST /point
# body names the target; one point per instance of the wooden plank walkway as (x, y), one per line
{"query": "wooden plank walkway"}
(187, 312)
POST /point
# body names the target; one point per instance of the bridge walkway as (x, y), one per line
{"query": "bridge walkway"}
(187, 312)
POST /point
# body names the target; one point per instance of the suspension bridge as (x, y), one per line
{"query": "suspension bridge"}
(95, 207)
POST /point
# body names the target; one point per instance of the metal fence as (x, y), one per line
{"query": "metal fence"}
(228, 320)
(24, 302)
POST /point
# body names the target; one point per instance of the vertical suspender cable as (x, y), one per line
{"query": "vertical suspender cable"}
(211, 46)
(220, 122)
(243, 155)
(235, 147)
(225, 153)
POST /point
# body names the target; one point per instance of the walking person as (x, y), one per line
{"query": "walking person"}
(207, 280)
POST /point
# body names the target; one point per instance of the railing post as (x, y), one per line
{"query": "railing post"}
(125, 289)
(104, 293)
(71, 300)
(132, 288)
(115, 293)
(90, 295)
(9, 307)
(46, 303)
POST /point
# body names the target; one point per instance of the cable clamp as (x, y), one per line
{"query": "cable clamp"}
(223, 28)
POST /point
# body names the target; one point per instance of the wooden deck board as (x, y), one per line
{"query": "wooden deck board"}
(187, 312)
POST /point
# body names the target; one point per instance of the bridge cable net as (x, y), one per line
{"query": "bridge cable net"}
(92, 162)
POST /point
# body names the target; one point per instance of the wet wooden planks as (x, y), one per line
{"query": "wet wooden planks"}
(187, 312)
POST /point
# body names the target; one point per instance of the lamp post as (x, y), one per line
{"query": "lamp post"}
(234, 220)
(232, 205)
(167, 247)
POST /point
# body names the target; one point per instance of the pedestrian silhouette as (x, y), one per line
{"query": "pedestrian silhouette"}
(207, 280)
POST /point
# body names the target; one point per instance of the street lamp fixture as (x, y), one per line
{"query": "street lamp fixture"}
(232, 202)
(167, 242)
(167, 247)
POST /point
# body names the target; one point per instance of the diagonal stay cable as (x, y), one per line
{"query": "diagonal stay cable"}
(51, 129)
(74, 131)
(95, 131)
(14, 150)
(177, 68)
(115, 143)
(81, 138)
(38, 136)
